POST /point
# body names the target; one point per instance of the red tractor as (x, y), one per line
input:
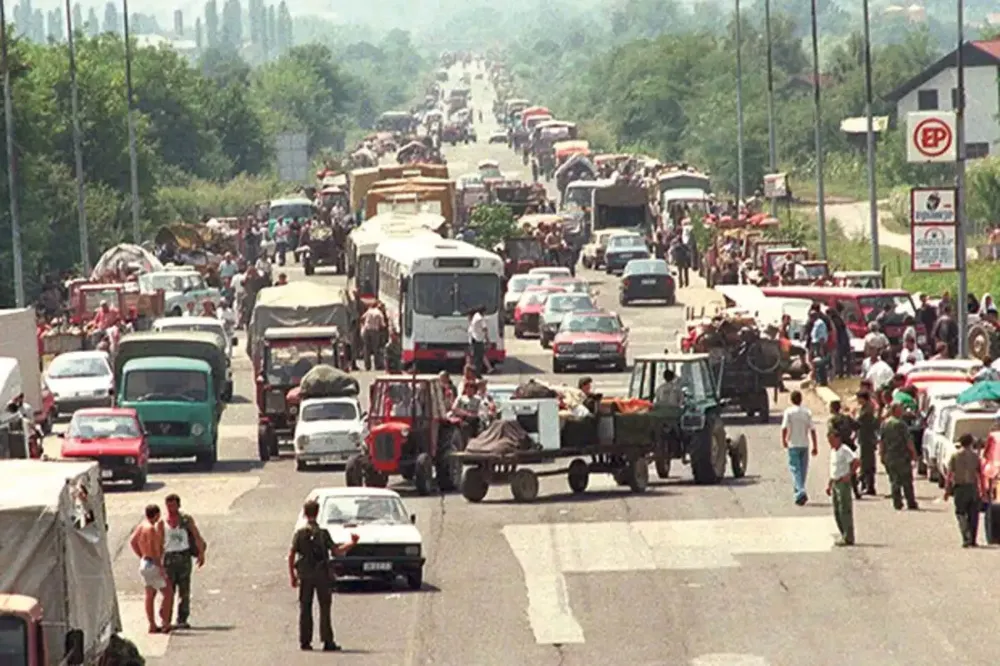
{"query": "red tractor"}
(409, 434)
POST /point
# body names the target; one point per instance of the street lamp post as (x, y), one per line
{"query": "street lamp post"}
(772, 149)
(8, 112)
(962, 311)
(133, 155)
(81, 207)
(870, 141)
(820, 206)
(739, 104)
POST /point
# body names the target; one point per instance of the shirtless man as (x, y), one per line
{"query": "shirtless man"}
(147, 544)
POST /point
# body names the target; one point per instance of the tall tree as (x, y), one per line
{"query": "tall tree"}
(253, 16)
(232, 24)
(284, 27)
(78, 17)
(272, 29)
(38, 26)
(211, 24)
(199, 37)
(112, 22)
(56, 30)
(93, 24)
(179, 22)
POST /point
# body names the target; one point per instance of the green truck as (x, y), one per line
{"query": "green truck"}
(176, 382)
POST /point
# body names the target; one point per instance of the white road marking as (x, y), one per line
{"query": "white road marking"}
(546, 552)
(135, 627)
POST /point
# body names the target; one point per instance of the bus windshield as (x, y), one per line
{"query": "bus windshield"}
(578, 197)
(455, 294)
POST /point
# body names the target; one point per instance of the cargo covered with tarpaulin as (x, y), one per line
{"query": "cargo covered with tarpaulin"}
(296, 305)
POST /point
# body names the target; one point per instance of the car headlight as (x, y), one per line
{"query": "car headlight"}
(412, 550)
(129, 460)
(302, 441)
(609, 347)
(197, 430)
(564, 348)
(354, 438)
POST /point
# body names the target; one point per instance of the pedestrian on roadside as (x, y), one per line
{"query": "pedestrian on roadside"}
(898, 456)
(309, 571)
(797, 433)
(182, 542)
(964, 483)
(372, 323)
(843, 466)
(867, 424)
(844, 426)
(147, 544)
(479, 337)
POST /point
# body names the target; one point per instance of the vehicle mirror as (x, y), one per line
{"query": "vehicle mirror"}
(413, 518)
(74, 647)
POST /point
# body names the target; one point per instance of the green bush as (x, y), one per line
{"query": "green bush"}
(229, 199)
(899, 205)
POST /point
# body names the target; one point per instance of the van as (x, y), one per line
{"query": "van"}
(861, 306)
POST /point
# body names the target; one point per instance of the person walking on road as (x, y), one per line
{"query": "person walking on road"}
(309, 571)
(183, 541)
(479, 337)
(797, 434)
(964, 484)
(898, 455)
(844, 426)
(147, 544)
(843, 465)
(372, 323)
(866, 423)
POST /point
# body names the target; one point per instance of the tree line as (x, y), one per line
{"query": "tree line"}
(205, 133)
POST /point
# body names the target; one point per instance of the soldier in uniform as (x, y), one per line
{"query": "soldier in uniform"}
(867, 424)
(964, 483)
(843, 425)
(898, 456)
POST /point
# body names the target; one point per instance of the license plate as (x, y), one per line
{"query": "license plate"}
(377, 566)
(107, 473)
(330, 460)
(586, 357)
(455, 354)
(652, 281)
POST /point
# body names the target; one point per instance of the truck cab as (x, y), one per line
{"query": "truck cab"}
(175, 381)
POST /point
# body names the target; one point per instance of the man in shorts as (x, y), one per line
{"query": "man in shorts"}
(148, 544)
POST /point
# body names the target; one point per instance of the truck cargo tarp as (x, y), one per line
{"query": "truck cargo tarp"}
(294, 305)
(47, 554)
(325, 381)
(621, 196)
(19, 341)
(130, 255)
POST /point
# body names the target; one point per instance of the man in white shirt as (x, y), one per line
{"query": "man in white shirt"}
(875, 340)
(880, 373)
(843, 465)
(797, 433)
(228, 267)
(479, 336)
(263, 266)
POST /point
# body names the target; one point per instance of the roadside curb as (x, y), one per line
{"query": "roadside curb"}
(826, 394)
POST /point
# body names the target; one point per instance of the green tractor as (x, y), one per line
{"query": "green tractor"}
(696, 434)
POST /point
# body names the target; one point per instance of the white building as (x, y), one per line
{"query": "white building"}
(934, 89)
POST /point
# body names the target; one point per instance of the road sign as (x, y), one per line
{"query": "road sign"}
(775, 185)
(933, 248)
(291, 150)
(932, 205)
(931, 137)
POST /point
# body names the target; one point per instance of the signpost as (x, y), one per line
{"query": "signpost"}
(931, 137)
(933, 229)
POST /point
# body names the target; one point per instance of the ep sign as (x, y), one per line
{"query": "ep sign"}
(931, 137)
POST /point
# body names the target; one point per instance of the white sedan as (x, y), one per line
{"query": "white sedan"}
(80, 379)
(389, 543)
(328, 431)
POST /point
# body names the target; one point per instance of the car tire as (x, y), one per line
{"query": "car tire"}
(518, 333)
(263, 446)
(621, 365)
(206, 461)
(139, 480)
(557, 367)
(415, 579)
(622, 301)
(300, 465)
(423, 474)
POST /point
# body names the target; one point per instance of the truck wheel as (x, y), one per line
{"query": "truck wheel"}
(307, 266)
(991, 521)
(638, 474)
(415, 579)
(423, 474)
(984, 341)
(227, 393)
(354, 471)
(763, 406)
(738, 457)
(448, 467)
(272, 441)
(300, 465)
(474, 484)
(524, 485)
(708, 455)
(578, 475)
(662, 463)
(263, 449)
(206, 461)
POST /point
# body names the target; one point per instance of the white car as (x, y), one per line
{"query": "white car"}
(181, 286)
(328, 431)
(558, 307)
(80, 379)
(390, 544)
(551, 271)
(958, 422)
(207, 325)
(956, 365)
(936, 400)
(515, 288)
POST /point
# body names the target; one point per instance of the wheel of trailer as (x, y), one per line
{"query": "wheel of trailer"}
(354, 471)
(738, 456)
(708, 456)
(578, 475)
(524, 485)
(448, 468)
(474, 484)
(663, 466)
(263, 450)
(271, 438)
(307, 266)
(984, 341)
(620, 476)
(423, 474)
(638, 474)
(763, 406)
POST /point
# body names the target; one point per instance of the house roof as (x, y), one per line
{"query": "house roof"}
(982, 53)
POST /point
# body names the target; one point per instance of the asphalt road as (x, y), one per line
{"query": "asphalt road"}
(730, 575)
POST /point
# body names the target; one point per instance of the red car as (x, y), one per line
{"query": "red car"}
(114, 437)
(529, 309)
(592, 339)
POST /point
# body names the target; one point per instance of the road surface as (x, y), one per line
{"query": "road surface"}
(730, 575)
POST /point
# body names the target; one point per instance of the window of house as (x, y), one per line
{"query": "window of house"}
(975, 151)
(927, 100)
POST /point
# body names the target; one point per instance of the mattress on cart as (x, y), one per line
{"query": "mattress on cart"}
(501, 438)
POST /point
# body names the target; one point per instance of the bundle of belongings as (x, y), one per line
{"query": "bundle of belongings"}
(501, 438)
(320, 232)
(325, 381)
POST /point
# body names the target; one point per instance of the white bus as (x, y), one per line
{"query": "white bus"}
(429, 289)
(362, 242)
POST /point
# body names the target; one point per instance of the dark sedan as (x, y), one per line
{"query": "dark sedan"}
(647, 280)
(623, 249)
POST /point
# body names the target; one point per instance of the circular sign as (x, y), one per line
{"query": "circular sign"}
(932, 137)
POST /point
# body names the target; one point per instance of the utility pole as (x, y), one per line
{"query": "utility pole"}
(739, 104)
(8, 112)
(870, 140)
(772, 148)
(962, 311)
(133, 153)
(81, 207)
(820, 205)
